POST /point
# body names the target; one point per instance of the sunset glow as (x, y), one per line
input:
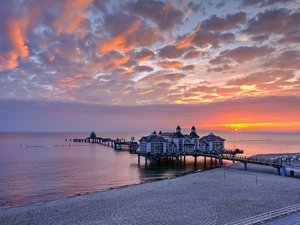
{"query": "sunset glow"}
(258, 126)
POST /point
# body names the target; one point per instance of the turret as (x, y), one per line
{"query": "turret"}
(193, 133)
(193, 129)
(153, 133)
(178, 129)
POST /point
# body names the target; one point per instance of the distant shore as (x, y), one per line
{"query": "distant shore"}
(215, 196)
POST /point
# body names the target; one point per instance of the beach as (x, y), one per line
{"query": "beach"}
(201, 198)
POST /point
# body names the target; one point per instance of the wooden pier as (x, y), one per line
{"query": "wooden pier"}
(117, 144)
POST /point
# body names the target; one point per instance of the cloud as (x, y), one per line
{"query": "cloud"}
(170, 64)
(171, 52)
(286, 60)
(188, 67)
(141, 69)
(221, 68)
(164, 14)
(215, 23)
(262, 3)
(193, 54)
(13, 41)
(263, 78)
(205, 39)
(275, 21)
(143, 55)
(128, 34)
(99, 51)
(161, 77)
(113, 61)
(242, 54)
(72, 16)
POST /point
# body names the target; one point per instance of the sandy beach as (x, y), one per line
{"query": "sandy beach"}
(200, 198)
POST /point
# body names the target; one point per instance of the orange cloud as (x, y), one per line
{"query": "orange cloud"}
(186, 41)
(69, 83)
(16, 31)
(112, 63)
(120, 42)
(146, 92)
(170, 64)
(72, 16)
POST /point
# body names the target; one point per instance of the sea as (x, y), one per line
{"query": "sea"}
(38, 167)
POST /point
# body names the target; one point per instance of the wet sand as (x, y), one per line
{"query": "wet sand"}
(201, 198)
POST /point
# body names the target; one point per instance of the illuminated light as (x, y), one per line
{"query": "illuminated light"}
(248, 87)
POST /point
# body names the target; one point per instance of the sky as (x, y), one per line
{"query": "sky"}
(107, 65)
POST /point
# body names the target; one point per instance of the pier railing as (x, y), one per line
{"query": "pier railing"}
(268, 215)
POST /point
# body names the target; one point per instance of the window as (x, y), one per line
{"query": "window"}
(180, 145)
(156, 146)
(217, 146)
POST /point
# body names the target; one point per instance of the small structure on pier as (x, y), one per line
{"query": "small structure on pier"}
(176, 142)
(212, 142)
(93, 135)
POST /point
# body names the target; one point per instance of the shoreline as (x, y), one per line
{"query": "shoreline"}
(226, 200)
(227, 165)
(107, 189)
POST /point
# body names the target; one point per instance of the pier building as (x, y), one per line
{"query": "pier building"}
(176, 142)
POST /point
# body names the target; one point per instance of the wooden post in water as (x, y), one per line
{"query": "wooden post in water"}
(245, 166)
(154, 161)
(195, 160)
(139, 159)
(145, 161)
(204, 162)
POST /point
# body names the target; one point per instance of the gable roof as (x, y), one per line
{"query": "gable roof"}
(193, 135)
(177, 135)
(152, 137)
(211, 137)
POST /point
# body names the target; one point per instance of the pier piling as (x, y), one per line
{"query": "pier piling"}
(283, 171)
(278, 171)
(245, 166)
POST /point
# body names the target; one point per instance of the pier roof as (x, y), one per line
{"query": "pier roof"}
(193, 134)
(211, 137)
(152, 137)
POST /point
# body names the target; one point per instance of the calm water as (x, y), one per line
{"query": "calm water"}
(38, 167)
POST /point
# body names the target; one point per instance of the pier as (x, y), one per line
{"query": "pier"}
(117, 144)
(217, 159)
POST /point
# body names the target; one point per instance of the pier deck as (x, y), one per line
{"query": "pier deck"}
(117, 144)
